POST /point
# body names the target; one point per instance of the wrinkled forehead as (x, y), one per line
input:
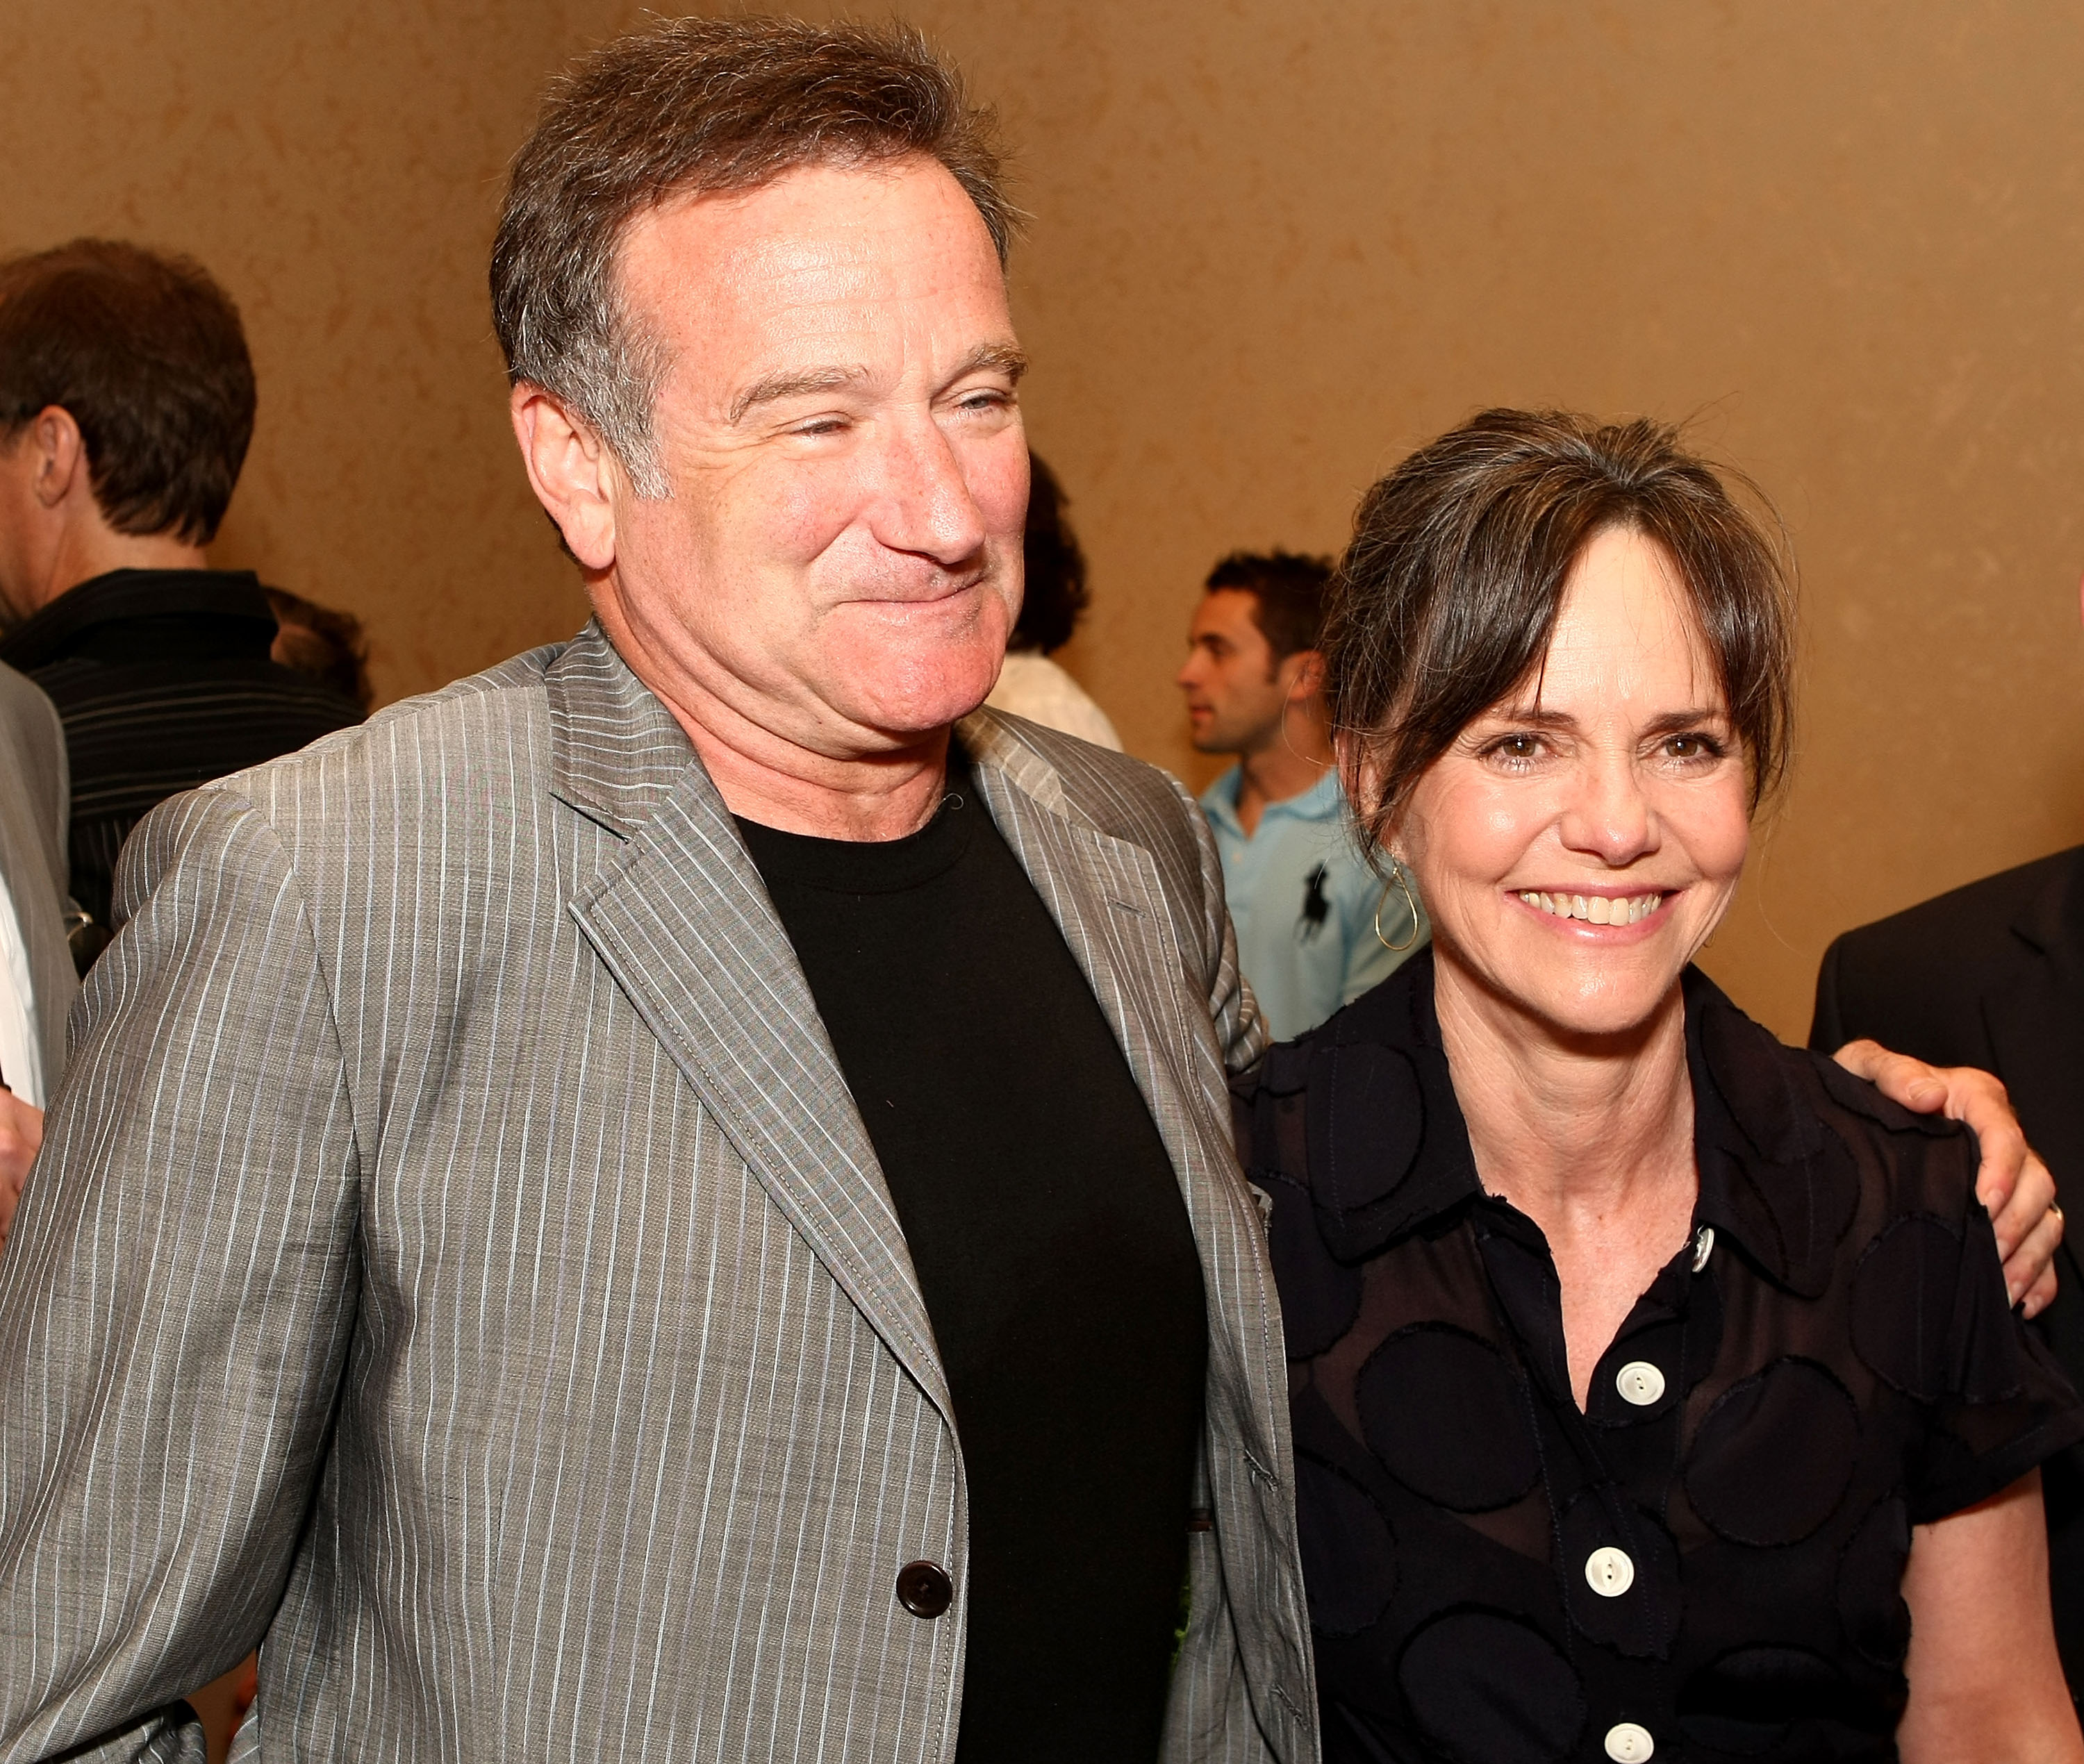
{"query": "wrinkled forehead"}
(1627, 633)
(817, 230)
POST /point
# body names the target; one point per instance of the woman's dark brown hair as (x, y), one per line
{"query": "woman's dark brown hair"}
(1447, 596)
(1054, 567)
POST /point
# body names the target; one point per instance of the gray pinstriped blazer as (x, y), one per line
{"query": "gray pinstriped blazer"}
(456, 1256)
(36, 808)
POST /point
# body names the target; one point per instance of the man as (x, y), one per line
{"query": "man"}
(37, 983)
(602, 1136)
(1315, 925)
(1992, 974)
(698, 1192)
(126, 404)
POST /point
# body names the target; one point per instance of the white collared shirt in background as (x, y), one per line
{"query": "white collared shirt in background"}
(1034, 686)
(21, 1058)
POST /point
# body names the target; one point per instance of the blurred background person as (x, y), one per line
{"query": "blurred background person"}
(1316, 926)
(126, 404)
(1715, 1340)
(326, 645)
(1030, 684)
(37, 980)
(1992, 975)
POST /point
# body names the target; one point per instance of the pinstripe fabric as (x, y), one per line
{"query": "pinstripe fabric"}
(35, 810)
(456, 1255)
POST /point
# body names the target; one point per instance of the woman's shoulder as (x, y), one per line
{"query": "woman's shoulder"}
(1811, 1152)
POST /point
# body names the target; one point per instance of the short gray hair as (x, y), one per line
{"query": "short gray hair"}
(700, 106)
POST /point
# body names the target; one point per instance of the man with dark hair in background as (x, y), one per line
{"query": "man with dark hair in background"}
(1316, 927)
(126, 404)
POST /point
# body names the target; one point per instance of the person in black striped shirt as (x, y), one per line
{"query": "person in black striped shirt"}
(126, 404)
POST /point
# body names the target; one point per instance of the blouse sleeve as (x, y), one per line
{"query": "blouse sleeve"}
(2000, 1404)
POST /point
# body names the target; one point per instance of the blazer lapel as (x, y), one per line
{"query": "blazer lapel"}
(685, 923)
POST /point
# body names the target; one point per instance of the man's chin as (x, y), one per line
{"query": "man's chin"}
(909, 697)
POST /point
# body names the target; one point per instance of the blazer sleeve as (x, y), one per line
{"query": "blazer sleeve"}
(176, 1300)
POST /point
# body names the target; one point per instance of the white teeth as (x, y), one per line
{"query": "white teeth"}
(1596, 909)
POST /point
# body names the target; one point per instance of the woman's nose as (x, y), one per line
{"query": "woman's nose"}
(1609, 815)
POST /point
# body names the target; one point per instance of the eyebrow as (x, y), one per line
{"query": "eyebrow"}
(795, 382)
(1534, 717)
(1008, 358)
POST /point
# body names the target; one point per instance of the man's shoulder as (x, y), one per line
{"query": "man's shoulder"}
(485, 718)
(1958, 934)
(26, 713)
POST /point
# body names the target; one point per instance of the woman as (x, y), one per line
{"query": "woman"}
(1653, 1385)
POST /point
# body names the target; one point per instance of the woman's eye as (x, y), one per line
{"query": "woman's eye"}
(1692, 746)
(1518, 750)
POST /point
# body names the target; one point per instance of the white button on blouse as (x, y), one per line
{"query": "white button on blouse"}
(1628, 1744)
(1640, 1382)
(1609, 1573)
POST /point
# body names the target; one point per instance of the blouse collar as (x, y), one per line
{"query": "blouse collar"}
(1389, 1150)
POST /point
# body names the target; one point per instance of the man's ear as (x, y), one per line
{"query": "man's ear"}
(573, 472)
(57, 454)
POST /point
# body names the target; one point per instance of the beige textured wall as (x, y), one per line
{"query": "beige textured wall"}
(338, 169)
(1275, 244)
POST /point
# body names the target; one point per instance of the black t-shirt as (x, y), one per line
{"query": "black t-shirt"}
(1705, 1563)
(1054, 1253)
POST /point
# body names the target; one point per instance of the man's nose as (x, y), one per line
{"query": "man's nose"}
(927, 506)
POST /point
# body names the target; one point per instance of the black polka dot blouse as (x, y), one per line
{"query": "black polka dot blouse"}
(1707, 1564)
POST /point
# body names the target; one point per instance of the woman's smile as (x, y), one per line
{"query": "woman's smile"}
(1584, 910)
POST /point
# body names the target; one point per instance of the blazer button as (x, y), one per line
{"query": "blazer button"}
(923, 1588)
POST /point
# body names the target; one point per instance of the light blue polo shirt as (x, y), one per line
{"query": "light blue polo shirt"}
(1303, 901)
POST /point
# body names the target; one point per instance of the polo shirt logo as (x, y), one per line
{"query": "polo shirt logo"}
(1316, 908)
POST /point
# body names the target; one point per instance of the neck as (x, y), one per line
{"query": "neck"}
(884, 796)
(1572, 1131)
(829, 792)
(88, 549)
(1286, 765)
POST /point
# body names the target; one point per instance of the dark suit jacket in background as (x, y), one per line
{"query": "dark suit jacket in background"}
(33, 809)
(1992, 975)
(164, 681)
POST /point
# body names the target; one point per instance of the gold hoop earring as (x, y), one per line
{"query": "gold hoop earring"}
(1397, 880)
